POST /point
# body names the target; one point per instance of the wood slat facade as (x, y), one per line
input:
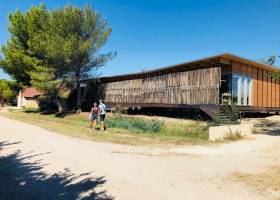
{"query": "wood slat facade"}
(193, 87)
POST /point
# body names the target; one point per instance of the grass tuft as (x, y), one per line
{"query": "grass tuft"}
(233, 136)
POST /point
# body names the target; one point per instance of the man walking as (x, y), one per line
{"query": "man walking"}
(102, 114)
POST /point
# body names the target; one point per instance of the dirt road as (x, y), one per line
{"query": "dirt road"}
(52, 166)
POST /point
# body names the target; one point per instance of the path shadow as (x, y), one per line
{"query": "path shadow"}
(22, 179)
(65, 114)
(51, 112)
(267, 127)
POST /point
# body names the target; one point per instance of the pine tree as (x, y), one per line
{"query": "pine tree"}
(54, 49)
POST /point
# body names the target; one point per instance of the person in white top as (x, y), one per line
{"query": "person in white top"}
(102, 113)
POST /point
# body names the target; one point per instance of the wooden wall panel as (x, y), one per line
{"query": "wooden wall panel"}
(236, 67)
(244, 69)
(249, 70)
(255, 87)
(277, 94)
(269, 91)
(273, 93)
(260, 88)
(265, 92)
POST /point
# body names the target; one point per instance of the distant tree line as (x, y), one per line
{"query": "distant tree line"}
(53, 50)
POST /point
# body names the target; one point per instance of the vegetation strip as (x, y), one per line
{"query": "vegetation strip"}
(121, 129)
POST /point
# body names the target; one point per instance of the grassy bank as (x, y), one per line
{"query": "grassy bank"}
(134, 130)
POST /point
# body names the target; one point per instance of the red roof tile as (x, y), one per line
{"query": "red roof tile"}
(30, 92)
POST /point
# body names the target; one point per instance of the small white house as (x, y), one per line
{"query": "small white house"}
(28, 98)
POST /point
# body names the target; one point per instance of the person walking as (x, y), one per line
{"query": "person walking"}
(94, 114)
(102, 114)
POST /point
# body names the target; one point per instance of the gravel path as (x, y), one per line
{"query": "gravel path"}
(54, 166)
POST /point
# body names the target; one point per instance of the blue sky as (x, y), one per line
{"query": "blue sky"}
(148, 34)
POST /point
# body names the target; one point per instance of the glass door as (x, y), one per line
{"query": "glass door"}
(241, 90)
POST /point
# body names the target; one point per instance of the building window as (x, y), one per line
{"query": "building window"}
(236, 89)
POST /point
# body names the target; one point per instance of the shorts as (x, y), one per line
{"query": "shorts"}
(93, 116)
(102, 117)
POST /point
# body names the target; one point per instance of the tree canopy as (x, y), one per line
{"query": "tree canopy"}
(52, 49)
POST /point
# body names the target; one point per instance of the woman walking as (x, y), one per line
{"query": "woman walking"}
(94, 114)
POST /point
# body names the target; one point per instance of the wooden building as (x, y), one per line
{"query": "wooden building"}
(202, 84)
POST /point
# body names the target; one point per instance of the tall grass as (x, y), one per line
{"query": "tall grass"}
(233, 135)
(134, 124)
(192, 131)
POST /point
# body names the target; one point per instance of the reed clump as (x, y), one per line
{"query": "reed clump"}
(134, 124)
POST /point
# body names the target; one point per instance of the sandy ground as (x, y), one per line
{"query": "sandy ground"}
(127, 172)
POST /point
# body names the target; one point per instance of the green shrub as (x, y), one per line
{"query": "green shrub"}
(134, 124)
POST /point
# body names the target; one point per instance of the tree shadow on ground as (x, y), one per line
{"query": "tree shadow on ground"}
(51, 112)
(267, 127)
(22, 179)
(65, 114)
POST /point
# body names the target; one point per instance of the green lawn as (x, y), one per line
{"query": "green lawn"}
(133, 130)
